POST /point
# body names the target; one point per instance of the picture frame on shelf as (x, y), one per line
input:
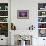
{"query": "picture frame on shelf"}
(22, 14)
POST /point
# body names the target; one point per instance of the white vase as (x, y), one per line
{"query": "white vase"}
(22, 43)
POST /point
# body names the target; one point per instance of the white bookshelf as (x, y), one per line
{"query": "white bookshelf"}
(2, 42)
(42, 18)
(4, 18)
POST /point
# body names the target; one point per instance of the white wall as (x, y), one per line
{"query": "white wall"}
(5, 39)
(32, 6)
(23, 24)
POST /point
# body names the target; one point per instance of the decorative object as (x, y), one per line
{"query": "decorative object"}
(6, 7)
(22, 43)
(23, 14)
(3, 6)
(3, 13)
(4, 29)
(13, 27)
(42, 32)
(44, 41)
(3, 19)
(41, 25)
(41, 19)
(41, 6)
(43, 13)
(23, 40)
(31, 27)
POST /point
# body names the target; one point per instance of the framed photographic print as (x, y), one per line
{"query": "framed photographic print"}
(23, 14)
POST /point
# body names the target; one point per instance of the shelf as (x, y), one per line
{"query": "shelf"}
(41, 10)
(3, 10)
(3, 16)
(41, 22)
(3, 22)
(42, 16)
(41, 28)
